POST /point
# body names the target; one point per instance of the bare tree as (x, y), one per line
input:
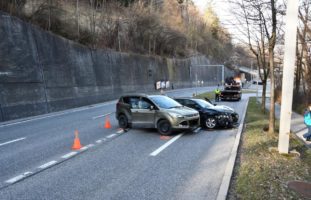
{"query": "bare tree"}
(303, 53)
(251, 24)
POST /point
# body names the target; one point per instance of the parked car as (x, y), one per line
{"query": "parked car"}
(212, 116)
(155, 111)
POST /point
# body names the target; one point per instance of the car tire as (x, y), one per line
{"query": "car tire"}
(210, 122)
(123, 121)
(164, 127)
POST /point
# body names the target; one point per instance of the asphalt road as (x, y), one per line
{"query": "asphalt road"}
(36, 160)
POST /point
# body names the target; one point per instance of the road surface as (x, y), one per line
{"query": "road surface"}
(36, 160)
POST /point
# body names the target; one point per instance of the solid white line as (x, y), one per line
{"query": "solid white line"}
(68, 155)
(47, 164)
(156, 152)
(19, 139)
(112, 135)
(98, 141)
(17, 178)
(100, 116)
(225, 183)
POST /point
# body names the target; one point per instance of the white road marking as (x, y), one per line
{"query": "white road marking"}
(100, 116)
(120, 131)
(19, 139)
(84, 148)
(90, 145)
(98, 141)
(17, 178)
(68, 155)
(112, 135)
(156, 152)
(197, 130)
(47, 164)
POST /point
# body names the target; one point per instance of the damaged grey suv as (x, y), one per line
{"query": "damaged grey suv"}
(155, 111)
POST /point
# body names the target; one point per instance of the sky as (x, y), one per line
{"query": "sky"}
(222, 9)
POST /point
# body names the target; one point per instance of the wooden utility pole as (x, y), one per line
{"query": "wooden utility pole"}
(288, 75)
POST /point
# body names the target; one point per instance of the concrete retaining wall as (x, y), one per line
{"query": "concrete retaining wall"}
(42, 73)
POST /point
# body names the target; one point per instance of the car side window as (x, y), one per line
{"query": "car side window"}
(144, 103)
(133, 101)
(181, 101)
(191, 104)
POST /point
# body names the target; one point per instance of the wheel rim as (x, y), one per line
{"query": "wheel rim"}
(210, 122)
(122, 121)
(164, 127)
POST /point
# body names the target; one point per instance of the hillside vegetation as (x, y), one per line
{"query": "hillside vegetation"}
(172, 28)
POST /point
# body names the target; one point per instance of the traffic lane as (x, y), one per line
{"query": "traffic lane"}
(110, 166)
(192, 168)
(49, 136)
(124, 168)
(49, 144)
(36, 125)
(23, 128)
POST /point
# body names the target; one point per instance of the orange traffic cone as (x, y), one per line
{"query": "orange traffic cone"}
(107, 122)
(76, 143)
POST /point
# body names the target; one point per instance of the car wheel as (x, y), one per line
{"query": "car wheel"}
(123, 122)
(210, 122)
(164, 127)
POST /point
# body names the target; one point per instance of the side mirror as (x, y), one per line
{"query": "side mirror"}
(151, 107)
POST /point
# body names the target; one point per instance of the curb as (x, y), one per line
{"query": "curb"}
(224, 187)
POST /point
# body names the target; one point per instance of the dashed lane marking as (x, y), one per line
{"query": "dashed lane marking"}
(68, 155)
(48, 164)
(19, 139)
(90, 145)
(54, 162)
(17, 178)
(84, 148)
(112, 135)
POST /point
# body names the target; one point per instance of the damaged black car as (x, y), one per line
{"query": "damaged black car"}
(212, 116)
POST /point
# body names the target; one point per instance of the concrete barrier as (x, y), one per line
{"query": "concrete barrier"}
(41, 72)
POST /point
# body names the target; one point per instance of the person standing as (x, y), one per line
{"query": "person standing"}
(307, 121)
(217, 93)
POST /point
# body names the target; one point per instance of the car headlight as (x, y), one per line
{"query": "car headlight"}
(175, 115)
(223, 116)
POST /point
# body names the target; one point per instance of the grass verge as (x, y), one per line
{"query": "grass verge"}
(211, 95)
(261, 174)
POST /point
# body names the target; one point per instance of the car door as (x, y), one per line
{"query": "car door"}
(143, 114)
(191, 104)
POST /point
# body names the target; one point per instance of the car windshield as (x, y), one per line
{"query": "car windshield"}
(203, 103)
(165, 102)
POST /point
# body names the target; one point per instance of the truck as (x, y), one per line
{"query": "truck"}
(232, 89)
